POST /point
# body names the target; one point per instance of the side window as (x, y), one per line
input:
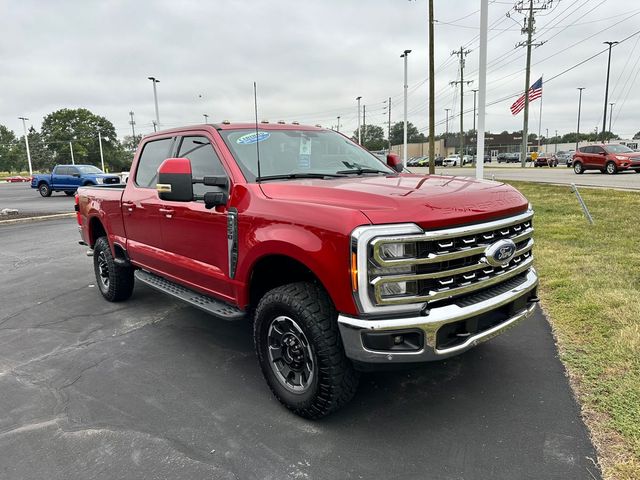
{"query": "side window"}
(597, 150)
(204, 160)
(586, 150)
(73, 171)
(62, 171)
(152, 156)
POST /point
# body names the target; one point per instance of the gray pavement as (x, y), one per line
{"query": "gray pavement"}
(558, 175)
(153, 389)
(27, 200)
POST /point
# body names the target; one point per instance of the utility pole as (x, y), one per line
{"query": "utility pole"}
(461, 54)
(101, 155)
(73, 161)
(405, 55)
(606, 91)
(432, 88)
(132, 122)
(610, 117)
(155, 125)
(26, 142)
(359, 133)
(579, 108)
(364, 121)
(338, 123)
(446, 128)
(206, 118)
(528, 29)
(555, 148)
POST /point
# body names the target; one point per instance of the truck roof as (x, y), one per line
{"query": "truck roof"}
(238, 126)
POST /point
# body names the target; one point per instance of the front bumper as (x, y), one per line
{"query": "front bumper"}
(353, 330)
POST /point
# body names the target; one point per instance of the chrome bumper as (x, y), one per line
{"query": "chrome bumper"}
(351, 328)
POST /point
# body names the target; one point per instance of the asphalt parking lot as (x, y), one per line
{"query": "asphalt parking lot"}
(151, 388)
(27, 200)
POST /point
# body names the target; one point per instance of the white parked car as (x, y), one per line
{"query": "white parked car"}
(451, 161)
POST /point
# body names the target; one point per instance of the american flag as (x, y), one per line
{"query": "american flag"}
(534, 92)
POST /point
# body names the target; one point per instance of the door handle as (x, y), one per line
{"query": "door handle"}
(168, 212)
(130, 206)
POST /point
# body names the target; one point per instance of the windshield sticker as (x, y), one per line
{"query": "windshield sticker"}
(304, 155)
(251, 138)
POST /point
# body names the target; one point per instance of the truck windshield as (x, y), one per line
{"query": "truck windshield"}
(87, 169)
(618, 149)
(299, 154)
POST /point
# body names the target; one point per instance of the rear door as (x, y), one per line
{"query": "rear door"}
(141, 207)
(598, 157)
(195, 238)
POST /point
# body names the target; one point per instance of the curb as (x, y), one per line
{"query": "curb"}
(37, 219)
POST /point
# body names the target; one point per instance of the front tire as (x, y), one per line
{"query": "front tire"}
(44, 189)
(578, 168)
(300, 351)
(611, 168)
(114, 281)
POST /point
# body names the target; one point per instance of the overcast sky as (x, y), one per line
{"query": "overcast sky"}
(310, 60)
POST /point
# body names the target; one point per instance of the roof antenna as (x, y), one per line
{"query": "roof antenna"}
(255, 103)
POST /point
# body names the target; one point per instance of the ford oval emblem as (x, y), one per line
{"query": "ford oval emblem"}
(500, 253)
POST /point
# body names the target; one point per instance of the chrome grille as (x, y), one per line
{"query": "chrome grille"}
(450, 263)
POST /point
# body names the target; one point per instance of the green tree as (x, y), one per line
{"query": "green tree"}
(413, 136)
(637, 136)
(10, 158)
(80, 126)
(372, 137)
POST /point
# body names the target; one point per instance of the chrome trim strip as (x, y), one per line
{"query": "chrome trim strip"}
(437, 295)
(351, 328)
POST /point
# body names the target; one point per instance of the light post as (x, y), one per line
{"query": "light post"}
(405, 55)
(474, 109)
(446, 128)
(206, 118)
(155, 99)
(606, 90)
(338, 128)
(359, 133)
(579, 108)
(73, 162)
(610, 116)
(101, 155)
(26, 141)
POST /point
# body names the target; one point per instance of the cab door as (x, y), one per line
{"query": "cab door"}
(195, 238)
(141, 207)
(74, 179)
(59, 177)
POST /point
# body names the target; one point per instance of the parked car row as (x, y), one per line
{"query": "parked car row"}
(423, 161)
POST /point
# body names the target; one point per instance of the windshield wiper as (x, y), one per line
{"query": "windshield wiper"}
(360, 171)
(288, 176)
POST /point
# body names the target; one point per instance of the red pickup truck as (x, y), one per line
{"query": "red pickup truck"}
(342, 262)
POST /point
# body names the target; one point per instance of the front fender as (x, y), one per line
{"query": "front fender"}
(324, 253)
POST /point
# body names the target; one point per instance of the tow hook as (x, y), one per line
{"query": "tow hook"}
(90, 253)
(534, 299)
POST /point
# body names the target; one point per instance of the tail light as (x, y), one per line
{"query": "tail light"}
(77, 209)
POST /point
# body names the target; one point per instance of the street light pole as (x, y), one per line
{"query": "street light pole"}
(338, 123)
(101, 155)
(73, 162)
(26, 142)
(579, 108)
(359, 133)
(155, 98)
(610, 115)
(206, 118)
(474, 109)
(606, 90)
(405, 55)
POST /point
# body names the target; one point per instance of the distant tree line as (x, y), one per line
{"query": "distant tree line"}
(50, 145)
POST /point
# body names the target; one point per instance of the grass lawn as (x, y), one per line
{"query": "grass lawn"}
(590, 289)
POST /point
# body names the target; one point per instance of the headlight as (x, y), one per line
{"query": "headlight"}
(99, 180)
(392, 251)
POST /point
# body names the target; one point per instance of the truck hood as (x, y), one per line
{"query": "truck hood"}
(430, 201)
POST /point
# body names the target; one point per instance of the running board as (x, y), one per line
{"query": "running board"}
(203, 302)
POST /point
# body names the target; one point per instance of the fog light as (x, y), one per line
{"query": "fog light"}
(394, 289)
(398, 339)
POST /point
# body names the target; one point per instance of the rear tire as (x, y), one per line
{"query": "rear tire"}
(114, 281)
(611, 168)
(578, 168)
(300, 351)
(44, 189)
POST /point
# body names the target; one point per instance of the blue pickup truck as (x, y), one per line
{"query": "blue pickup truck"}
(67, 179)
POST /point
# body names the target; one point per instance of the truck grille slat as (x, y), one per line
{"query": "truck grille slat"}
(451, 263)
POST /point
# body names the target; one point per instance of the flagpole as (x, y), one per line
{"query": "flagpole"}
(540, 119)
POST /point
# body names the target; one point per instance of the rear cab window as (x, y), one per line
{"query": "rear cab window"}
(153, 154)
